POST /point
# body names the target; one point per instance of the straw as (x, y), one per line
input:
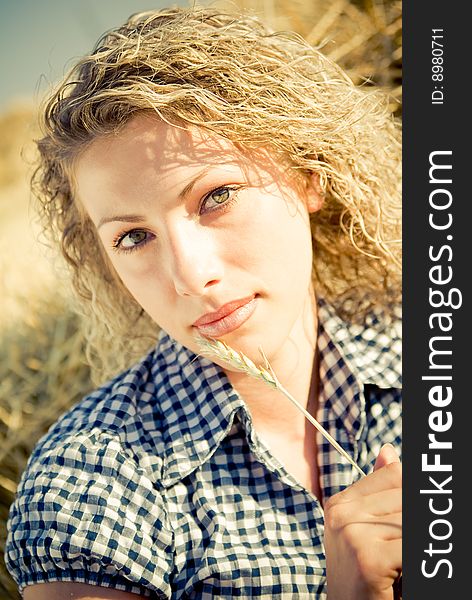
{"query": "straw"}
(266, 374)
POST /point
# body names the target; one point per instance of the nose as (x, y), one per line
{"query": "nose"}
(195, 261)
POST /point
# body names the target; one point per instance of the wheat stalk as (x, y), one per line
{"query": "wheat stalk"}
(266, 374)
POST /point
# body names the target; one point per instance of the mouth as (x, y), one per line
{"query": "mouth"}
(227, 318)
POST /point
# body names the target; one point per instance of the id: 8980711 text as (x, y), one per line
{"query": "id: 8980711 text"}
(437, 66)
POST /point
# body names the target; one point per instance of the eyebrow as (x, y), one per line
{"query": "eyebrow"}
(189, 187)
(139, 218)
(121, 219)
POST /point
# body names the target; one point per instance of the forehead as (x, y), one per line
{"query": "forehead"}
(158, 146)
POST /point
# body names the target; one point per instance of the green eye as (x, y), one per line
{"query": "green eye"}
(217, 198)
(220, 196)
(133, 238)
(128, 241)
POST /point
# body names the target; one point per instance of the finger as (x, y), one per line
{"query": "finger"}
(381, 503)
(388, 477)
(364, 529)
(392, 554)
(383, 561)
(387, 455)
(385, 528)
(363, 508)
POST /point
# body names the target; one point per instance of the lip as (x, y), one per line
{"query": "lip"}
(227, 318)
(223, 311)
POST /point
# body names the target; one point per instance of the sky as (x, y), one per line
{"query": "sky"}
(39, 39)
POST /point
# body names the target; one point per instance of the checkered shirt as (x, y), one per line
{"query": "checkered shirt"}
(158, 484)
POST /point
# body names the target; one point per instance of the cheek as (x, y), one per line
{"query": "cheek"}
(280, 239)
(141, 277)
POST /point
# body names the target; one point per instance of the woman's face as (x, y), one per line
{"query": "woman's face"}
(209, 240)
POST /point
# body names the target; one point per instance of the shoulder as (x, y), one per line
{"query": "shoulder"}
(372, 348)
(120, 418)
(88, 507)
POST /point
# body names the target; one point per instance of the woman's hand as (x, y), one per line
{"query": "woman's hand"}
(363, 534)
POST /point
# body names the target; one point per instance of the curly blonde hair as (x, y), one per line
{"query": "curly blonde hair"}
(228, 74)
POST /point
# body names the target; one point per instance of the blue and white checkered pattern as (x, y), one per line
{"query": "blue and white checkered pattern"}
(158, 484)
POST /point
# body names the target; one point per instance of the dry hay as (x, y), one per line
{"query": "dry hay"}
(42, 373)
(363, 36)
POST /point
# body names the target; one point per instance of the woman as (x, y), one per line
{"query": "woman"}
(213, 179)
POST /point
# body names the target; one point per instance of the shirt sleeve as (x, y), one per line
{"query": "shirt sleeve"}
(86, 512)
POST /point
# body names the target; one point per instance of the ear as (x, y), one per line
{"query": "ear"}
(314, 193)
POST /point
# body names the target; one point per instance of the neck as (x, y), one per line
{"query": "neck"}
(296, 368)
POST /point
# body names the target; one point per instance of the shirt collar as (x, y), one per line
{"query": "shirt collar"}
(195, 405)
